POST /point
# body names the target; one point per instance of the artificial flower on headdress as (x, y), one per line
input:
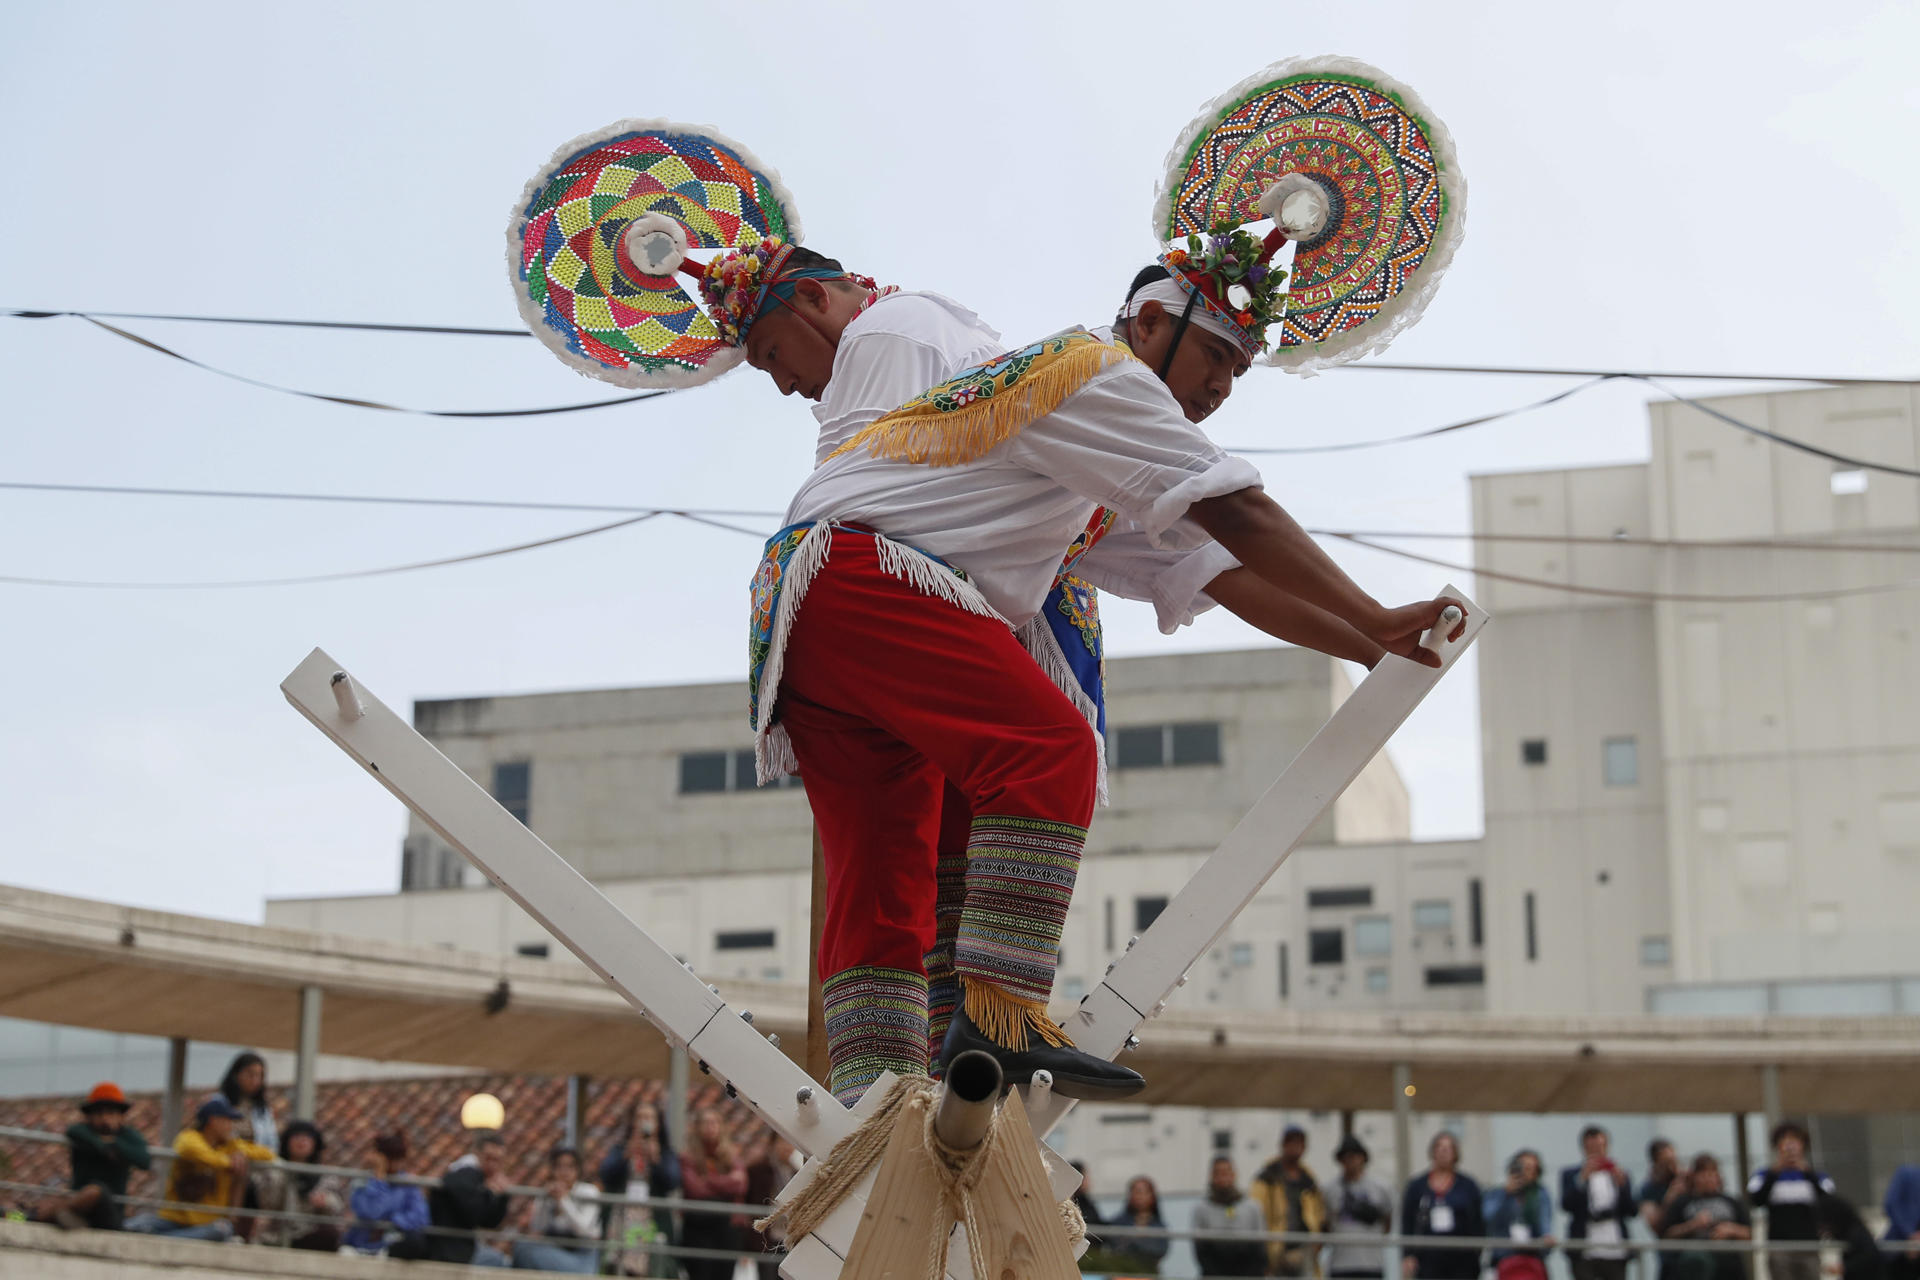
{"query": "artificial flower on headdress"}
(735, 285)
(1235, 279)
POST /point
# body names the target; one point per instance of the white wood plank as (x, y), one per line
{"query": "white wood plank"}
(1154, 967)
(550, 890)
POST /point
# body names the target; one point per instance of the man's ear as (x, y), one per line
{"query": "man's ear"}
(814, 292)
(1149, 318)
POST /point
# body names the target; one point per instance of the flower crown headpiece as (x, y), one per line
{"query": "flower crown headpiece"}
(735, 285)
(1233, 274)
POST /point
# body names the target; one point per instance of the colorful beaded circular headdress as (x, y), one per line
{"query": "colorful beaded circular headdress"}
(602, 229)
(1348, 163)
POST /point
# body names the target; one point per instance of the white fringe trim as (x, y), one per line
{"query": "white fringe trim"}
(534, 314)
(1037, 638)
(773, 756)
(1403, 310)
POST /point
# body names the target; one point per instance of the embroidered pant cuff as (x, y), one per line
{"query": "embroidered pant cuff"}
(876, 1021)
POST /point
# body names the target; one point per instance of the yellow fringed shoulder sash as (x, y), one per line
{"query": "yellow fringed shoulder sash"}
(970, 414)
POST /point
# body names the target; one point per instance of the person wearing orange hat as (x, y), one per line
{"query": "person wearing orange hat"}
(105, 1152)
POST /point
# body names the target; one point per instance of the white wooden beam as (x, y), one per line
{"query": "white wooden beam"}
(1137, 985)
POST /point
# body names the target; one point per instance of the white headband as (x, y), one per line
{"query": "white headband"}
(1173, 296)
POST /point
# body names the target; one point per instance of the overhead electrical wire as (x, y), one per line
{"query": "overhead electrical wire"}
(1522, 371)
(1657, 597)
(717, 516)
(1593, 378)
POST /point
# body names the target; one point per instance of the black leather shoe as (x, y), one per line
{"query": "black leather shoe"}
(1075, 1074)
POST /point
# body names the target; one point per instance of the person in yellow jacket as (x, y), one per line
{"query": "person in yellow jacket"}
(210, 1167)
(1290, 1198)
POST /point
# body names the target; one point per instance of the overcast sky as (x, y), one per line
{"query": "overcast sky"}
(1663, 185)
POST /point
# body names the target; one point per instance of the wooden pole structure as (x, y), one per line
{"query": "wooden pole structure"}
(816, 1007)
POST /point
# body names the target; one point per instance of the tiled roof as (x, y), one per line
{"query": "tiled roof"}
(352, 1112)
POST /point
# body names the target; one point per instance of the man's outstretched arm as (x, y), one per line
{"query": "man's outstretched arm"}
(1254, 600)
(1272, 544)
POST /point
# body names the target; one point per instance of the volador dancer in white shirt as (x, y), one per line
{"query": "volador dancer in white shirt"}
(918, 547)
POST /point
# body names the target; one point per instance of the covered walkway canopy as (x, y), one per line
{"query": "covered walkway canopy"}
(91, 964)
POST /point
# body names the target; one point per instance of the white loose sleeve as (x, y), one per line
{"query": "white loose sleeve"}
(873, 374)
(1127, 564)
(1122, 441)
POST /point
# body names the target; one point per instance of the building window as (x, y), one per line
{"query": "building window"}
(1223, 1140)
(1327, 946)
(1475, 914)
(1283, 971)
(1373, 936)
(511, 784)
(1457, 975)
(532, 950)
(1146, 911)
(1240, 955)
(1436, 914)
(1159, 746)
(1620, 762)
(1656, 952)
(1533, 751)
(706, 772)
(1194, 743)
(1074, 988)
(1351, 896)
(743, 940)
(1377, 983)
(703, 771)
(1533, 938)
(1847, 480)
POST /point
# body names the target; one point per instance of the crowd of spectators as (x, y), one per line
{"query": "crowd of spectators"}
(1596, 1199)
(237, 1174)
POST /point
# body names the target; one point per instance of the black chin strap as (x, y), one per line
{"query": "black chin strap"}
(1179, 331)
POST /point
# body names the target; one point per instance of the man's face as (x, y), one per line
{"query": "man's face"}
(493, 1158)
(1204, 364)
(218, 1130)
(794, 349)
(1222, 1178)
(106, 1119)
(1595, 1146)
(1664, 1161)
(1706, 1180)
(1292, 1148)
(1353, 1164)
(1790, 1148)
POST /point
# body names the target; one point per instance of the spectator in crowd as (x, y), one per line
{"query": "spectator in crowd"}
(1227, 1208)
(1131, 1255)
(389, 1217)
(1703, 1210)
(710, 1169)
(1357, 1207)
(1599, 1204)
(1903, 1222)
(210, 1170)
(1289, 1198)
(1521, 1210)
(767, 1177)
(1083, 1199)
(104, 1152)
(570, 1211)
(291, 1191)
(245, 1089)
(1442, 1202)
(1664, 1183)
(1789, 1190)
(643, 1165)
(1840, 1222)
(471, 1197)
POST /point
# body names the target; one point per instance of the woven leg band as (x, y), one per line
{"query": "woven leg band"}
(1020, 874)
(876, 1021)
